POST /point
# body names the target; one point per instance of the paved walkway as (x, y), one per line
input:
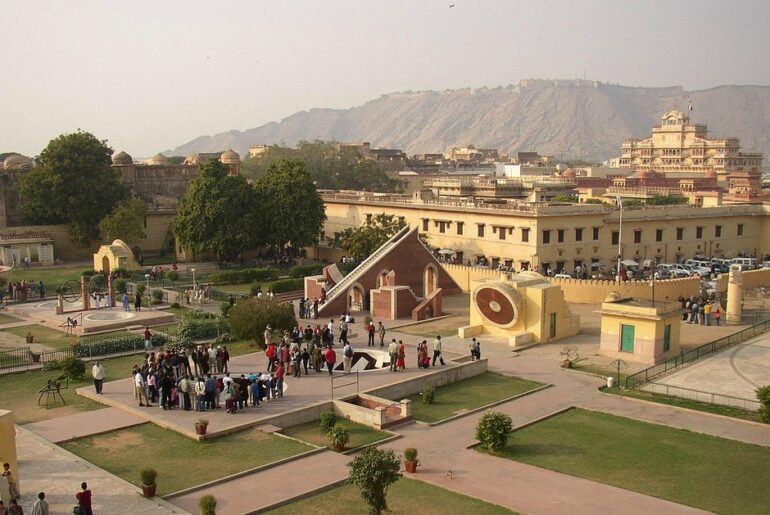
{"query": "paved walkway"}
(45, 467)
(87, 423)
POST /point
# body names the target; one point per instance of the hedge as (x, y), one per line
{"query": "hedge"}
(287, 285)
(246, 275)
(304, 271)
(249, 317)
(202, 328)
(114, 344)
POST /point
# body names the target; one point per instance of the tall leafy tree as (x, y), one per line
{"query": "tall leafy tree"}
(376, 230)
(293, 208)
(125, 222)
(72, 183)
(373, 472)
(219, 214)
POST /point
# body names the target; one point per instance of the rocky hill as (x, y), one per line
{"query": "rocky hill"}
(576, 119)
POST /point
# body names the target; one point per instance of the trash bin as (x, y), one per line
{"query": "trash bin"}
(610, 382)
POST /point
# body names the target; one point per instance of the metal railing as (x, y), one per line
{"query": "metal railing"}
(700, 396)
(343, 385)
(646, 375)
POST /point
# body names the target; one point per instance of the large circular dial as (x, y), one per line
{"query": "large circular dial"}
(498, 303)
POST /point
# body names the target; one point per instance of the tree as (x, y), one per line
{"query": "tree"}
(293, 209)
(376, 230)
(566, 198)
(763, 395)
(666, 200)
(373, 471)
(72, 183)
(493, 430)
(219, 214)
(126, 222)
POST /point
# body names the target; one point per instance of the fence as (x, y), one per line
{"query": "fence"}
(705, 397)
(644, 376)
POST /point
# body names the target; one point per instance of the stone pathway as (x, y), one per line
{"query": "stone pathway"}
(87, 423)
(45, 467)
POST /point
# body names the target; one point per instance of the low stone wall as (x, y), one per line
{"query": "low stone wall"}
(751, 279)
(594, 291)
(440, 377)
(465, 275)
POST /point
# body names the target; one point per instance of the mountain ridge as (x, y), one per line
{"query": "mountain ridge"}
(578, 119)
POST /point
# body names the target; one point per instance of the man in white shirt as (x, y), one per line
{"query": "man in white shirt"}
(393, 352)
(227, 380)
(347, 357)
(98, 372)
(437, 351)
(140, 387)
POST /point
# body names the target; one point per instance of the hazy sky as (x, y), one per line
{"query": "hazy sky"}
(150, 75)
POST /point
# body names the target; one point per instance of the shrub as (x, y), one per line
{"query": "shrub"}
(410, 454)
(373, 471)
(53, 364)
(304, 271)
(175, 305)
(208, 505)
(249, 317)
(172, 275)
(286, 285)
(428, 394)
(225, 308)
(149, 476)
(763, 395)
(265, 274)
(73, 368)
(140, 289)
(113, 344)
(367, 320)
(192, 328)
(157, 296)
(121, 286)
(224, 339)
(493, 430)
(328, 420)
(338, 437)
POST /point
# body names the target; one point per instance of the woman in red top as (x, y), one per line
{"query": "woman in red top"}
(401, 361)
(279, 373)
(84, 499)
(330, 357)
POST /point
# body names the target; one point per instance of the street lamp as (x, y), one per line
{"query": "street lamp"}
(620, 237)
(193, 272)
(149, 299)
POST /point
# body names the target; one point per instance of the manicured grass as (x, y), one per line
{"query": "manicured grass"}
(469, 394)
(180, 461)
(44, 336)
(359, 433)
(406, 496)
(8, 319)
(18, 392)
(714, 474)
(52, 277)
(685, 403)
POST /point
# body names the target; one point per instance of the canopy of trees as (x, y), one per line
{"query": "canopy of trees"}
(126, 222)
(72, 183)
(327, 166)
(376, 230)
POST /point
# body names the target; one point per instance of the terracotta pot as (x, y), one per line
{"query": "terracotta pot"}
(410, 466)
(149, 490)
(200, 429)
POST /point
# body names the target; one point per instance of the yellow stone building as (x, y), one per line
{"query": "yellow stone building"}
(561, 237)
(677, 147)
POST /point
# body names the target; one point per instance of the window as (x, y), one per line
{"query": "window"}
(442, 227)
(637, 236)
(546, 236)
(699, 232)
(501, 232)
(425, 224)
(615, 237)
(718, 231)
(525, 235)
(481, 230)
(368, 218)
(679, 233)
(560, 235)
(740, 229)
(658, 234)
(579, 234)
(596, 234)
(459, 228)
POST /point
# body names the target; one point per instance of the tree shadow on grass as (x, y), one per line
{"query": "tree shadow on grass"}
(519, 451)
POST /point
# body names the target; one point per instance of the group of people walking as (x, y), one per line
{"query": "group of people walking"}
(700, 311)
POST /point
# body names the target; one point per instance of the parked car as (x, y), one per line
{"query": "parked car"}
(698, 267)
(746, 263)
(675, 270)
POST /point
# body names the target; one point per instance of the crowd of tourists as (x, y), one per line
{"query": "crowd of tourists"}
(700, 311)
(22, 291)
(40, 505)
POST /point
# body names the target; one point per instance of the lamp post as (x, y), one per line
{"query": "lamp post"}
(620, 237)
(193, 272)
(149, 297)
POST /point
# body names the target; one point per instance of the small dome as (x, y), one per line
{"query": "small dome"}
(121, 158)
(158, 159)
(17, 162)
(569, 172)
(231, 156)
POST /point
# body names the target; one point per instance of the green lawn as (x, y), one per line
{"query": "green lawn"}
(8, 319)
(359, 433)
(180, 461)
(469, 394)
(18, 392)
(685, 403)
(702, 471)
(407, 496)
(52, 277)
(44, 336)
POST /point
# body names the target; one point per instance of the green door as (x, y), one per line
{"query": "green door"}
(626, 338)
(553, 325)
(667, 338)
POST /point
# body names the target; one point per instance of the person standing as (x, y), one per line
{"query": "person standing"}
(13, 488)
(393, 353)
(330, 357)
(279, 373)
(437, 351)
(147, 339)
(40, 506)
(401, 361)
(370, 329)
(140, 389)
(381, 333)
(137, 302)
(347, 357)
(717, 314)
(14, 508)
(84, 499)
(707, 313)
(268, 335)
(124, 301)
(98, 373)
(200, 395)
